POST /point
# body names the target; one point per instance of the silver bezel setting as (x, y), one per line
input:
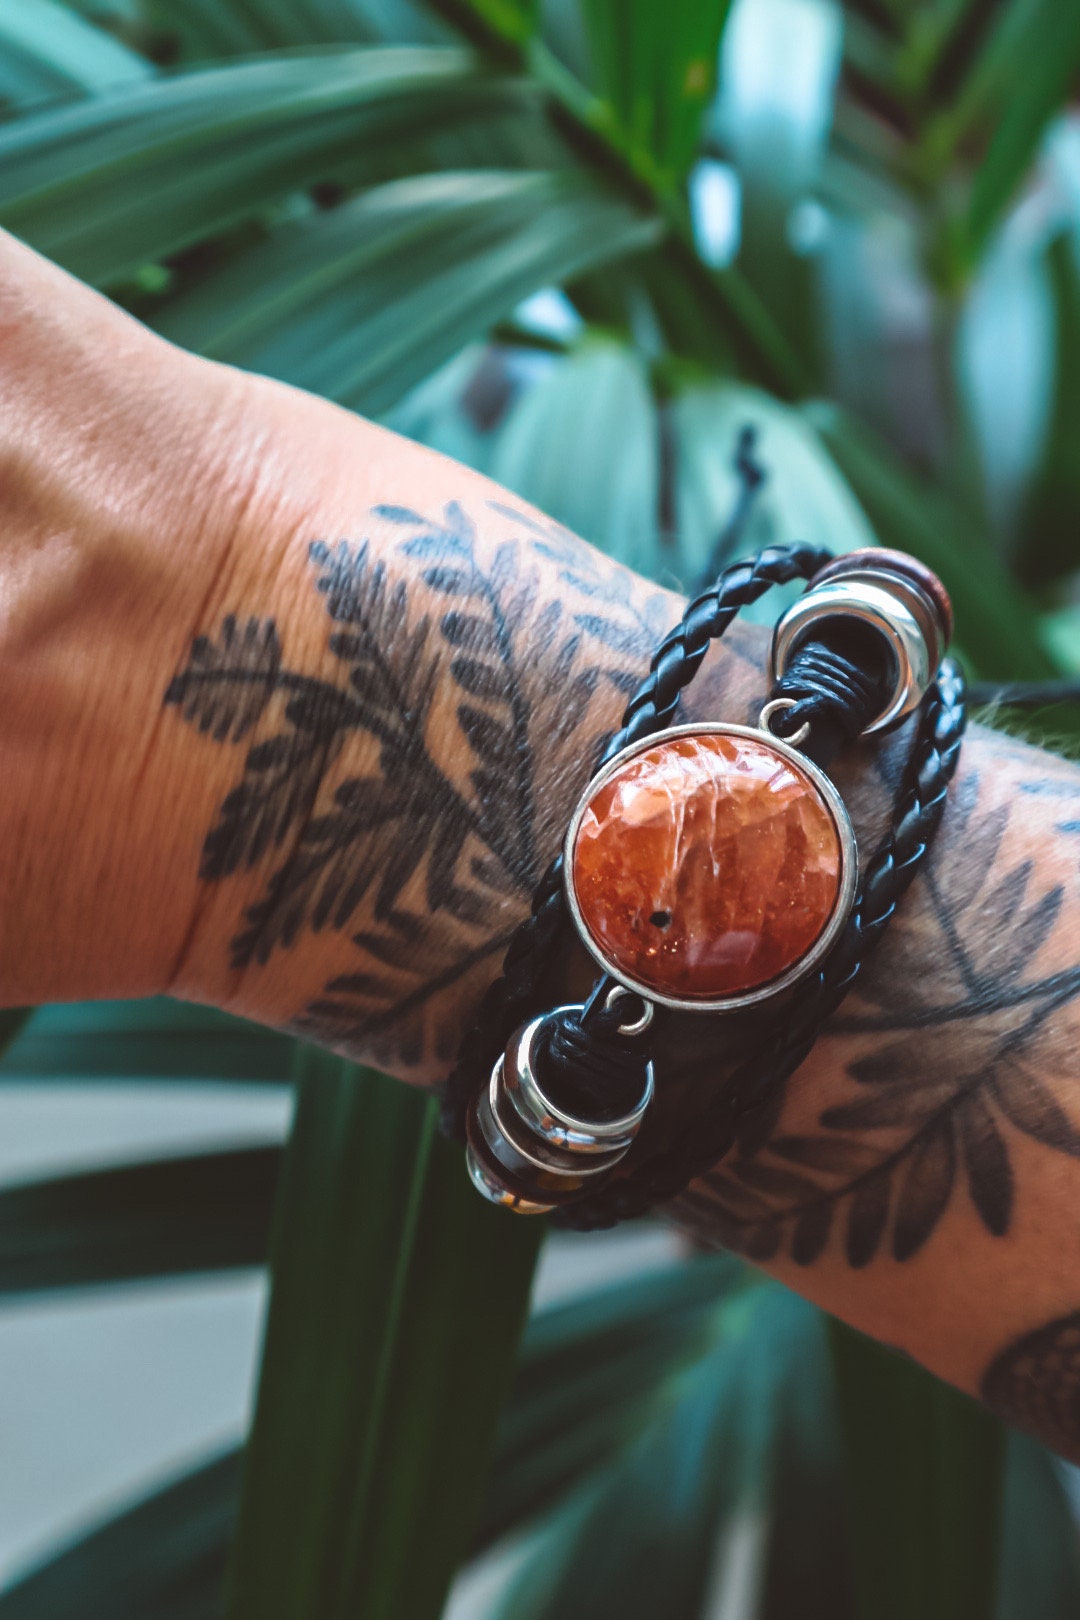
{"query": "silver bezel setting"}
(849, 868)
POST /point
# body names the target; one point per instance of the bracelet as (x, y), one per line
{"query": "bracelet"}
(710, 868)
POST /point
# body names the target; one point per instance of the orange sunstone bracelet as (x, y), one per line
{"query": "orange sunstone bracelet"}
(710, 868)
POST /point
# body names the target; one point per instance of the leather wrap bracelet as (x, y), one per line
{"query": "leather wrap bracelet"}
(711, 868)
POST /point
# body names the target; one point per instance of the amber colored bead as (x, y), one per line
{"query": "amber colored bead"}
(706, 866)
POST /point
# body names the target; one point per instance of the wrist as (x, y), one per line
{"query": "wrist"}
(454, 723)
(466, 660)
(119, 501)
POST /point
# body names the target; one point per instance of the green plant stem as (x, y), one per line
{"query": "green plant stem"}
(588, 125)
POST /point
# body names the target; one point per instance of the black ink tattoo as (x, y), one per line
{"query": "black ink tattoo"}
(473, 839)
(475, 694)
(1035, 1384)
(967, 1033)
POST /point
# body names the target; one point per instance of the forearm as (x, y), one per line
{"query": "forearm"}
(297, 712)
(921, 1177)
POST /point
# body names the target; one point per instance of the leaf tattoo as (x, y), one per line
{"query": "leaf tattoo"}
(410, 859)
(932, 1111)
(1035, 1384)
(228, 683)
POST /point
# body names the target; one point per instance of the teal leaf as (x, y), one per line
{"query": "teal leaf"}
(397, 1300)
(996, 626)
(1040, 1543)
(773, 117)
(161, 1559)
(142, 1040)
(361, 303)
(1005, 364)
(48, 53)
(207, 28)
(201, 1212)
(107, 184)
(582, 443)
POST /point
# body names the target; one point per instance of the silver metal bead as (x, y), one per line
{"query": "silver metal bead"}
(892, 604)
(527, 1153)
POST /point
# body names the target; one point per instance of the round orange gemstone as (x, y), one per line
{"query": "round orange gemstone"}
(706, 866)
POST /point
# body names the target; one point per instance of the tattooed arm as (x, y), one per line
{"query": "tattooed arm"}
(294, 714)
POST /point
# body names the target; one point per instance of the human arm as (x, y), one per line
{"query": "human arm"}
(295, 713)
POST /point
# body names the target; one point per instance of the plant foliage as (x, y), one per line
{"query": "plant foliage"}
(578, 243)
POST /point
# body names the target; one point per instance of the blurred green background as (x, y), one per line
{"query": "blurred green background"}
(578, 244)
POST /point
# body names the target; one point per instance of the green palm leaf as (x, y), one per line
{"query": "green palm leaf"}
(590, 1377)
(513, 19)
(397, 1300)
(1019, 86)
(162, 1559)
(583, 445)
(142, 1040)
(640, 1538)
(780, 1526)
(363, 302)
(656, 69)
(48, 53)
(996, 626)
(108, 184)
(199, 1213)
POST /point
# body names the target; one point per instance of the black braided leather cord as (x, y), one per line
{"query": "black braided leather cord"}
(837, 687)
(591, 1069)
(737, 1112)
(519, 992)
(587, 1065)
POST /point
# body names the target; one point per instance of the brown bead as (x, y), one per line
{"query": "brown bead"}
(894, 562)
(706, 866)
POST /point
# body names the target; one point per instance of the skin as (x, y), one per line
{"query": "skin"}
(295, 714)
